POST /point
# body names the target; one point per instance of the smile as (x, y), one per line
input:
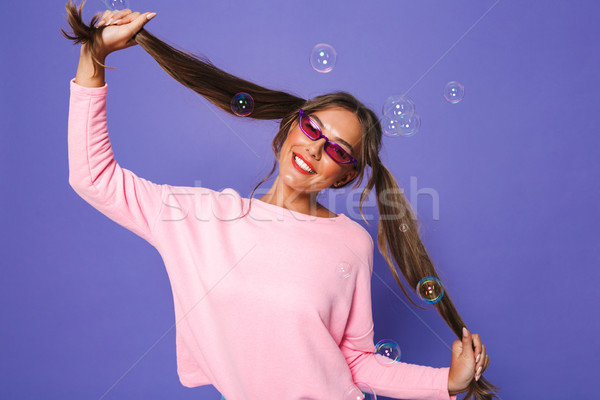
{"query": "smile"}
(300, 164)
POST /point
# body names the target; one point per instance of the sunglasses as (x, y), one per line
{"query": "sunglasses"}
(312, 130)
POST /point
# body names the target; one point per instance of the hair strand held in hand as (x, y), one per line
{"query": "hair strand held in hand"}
(82, 33)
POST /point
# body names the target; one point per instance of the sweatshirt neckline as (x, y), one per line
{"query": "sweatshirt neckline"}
(291, 214)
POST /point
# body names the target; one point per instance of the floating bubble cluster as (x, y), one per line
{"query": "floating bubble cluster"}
(344, 270)
(430, 289)
(242, 104)
(116, 4)
(454, 92)
(408, 126)
(389, 350)
(399, 117)
(398, 105)
(323, 57)
(390, 126)
(360, 391)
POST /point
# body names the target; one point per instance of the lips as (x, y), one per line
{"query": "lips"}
(303, 159)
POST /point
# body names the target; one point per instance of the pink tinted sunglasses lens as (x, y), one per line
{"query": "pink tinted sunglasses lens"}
(336, 152)
(309, 129)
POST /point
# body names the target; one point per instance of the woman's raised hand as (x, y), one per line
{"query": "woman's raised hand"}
(119, 28)
(469, 360)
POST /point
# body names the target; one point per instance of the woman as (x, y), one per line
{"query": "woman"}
(272, 295)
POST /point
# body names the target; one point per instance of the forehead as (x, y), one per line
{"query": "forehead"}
(339, 125)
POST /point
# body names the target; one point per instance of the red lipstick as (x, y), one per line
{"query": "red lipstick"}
(298, 167)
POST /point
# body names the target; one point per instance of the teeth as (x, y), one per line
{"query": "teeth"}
(303, 165)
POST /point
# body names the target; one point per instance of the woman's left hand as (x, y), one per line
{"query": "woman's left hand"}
(469, 360)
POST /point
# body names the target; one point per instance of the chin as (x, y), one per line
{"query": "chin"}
(291, 181)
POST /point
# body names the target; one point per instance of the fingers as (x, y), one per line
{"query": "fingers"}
(111, 17)
(130, 17)
(472, 348)
(138, 23)
(476, 344)
(117, 16)
(485, 365)
(480, 362)
(103, 18)
(127, 18)
(479, 355)
(480, 369)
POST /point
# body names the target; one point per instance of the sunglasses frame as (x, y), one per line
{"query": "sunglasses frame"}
(328, 143)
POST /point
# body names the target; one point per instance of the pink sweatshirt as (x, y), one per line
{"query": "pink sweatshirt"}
(275, 305)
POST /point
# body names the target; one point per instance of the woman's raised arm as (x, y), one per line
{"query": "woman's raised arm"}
(120, 26)
(94, 174)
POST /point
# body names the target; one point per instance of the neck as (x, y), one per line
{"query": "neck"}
(286, 197)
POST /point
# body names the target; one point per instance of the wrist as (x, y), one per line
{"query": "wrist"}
(89, 73)
(453, 389)
(86, 53)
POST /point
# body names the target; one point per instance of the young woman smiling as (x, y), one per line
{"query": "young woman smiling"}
(267, 308)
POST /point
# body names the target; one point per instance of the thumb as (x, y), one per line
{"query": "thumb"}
(467, 343)
(138, 23)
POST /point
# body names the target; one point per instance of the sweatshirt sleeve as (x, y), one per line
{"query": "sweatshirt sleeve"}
(95, 175)
(398, 380)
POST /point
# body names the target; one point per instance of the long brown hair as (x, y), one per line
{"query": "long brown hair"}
(398, 237)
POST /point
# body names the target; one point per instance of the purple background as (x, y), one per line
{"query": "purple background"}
(86, 304)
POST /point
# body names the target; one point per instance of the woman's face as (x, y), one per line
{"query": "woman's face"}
(339, 125)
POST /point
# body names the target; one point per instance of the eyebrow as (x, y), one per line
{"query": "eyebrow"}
(337, 139)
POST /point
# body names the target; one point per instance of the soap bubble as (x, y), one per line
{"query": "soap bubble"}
(343, 270)
(430, 289)
(389, 126)
(403, 227)
(401, 126)
(398, 105)
(116, 4)
(454, 92)
(242, 104)
(409, 125)
(323, 57)
(399, 116)
(360, 391)
(388, 352)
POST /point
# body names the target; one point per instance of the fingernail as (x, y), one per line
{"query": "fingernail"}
(151, 15)
(109, 21)
(478, 372)
(478, 357)
(117, 21)
(465, 332)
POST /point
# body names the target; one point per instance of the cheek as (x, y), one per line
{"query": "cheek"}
(331, 170)
(294, 138)
(295, 133)
(290, 142)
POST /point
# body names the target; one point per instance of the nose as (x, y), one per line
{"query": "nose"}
(316, 147)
